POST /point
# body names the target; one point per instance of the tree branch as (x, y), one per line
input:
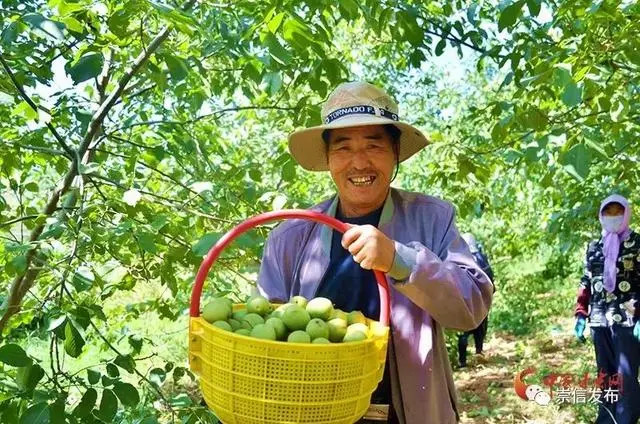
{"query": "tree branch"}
(69, 152)
(19, 219)
(23, 282)
(214, 114)
(39, 149)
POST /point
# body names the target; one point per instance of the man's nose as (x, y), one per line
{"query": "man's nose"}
(360, 159)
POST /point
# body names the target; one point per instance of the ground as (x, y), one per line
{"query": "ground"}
(485, 388)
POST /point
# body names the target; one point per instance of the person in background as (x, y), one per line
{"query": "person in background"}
(480, 332)
(608, 299)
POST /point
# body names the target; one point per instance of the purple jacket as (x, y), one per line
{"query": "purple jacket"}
(434, 283)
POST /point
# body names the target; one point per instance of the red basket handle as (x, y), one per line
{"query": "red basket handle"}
(264, 218)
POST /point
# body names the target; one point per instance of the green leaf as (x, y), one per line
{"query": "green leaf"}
(632, 52)
(83, 279)
(57, 326)
(157, 376)
(297, 33)
(125, 362)
(112, 370)
(535, 119)
(572, 94)
(108, 406)
(56, 411)
(159, 222)
(36, 414)
(180, 401)
(135, 342)
(178, 373)
(44, 27)
(86, 404)
(275, 22)
(32, 187)
(127, 394)
(177, 67)
(87, 67)
(252, 72)
(205, 244)
(619, 109)
(178, 18)
(73, 24)
(24, 110)
(14, 355)
(274, 82)
(349, 8)
(147, 242)
(93, 376)
(289, 171)
(562, 75)
(412, 30)
(577, 161)
(509, 16)
(10, 33)
(27, 378)
(333, 70)
(67, 7)
(498, 133)
(19, 264)
(534, 7)
(472, 13)
(255, 175)
(118, 22)
(440, 47)
(73, 340)
(595, 146)
(279, 53)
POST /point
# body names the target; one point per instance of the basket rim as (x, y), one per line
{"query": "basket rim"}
(332, 360)
(307, 346)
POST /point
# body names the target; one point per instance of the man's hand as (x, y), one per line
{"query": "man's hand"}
(369, 247)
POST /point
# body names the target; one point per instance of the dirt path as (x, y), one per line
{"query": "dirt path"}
(485, 387)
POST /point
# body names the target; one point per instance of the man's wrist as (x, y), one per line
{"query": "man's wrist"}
(403, 262)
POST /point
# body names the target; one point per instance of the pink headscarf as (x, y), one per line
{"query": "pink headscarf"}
(612, 241)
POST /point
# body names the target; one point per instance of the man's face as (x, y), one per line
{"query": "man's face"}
(361, 162)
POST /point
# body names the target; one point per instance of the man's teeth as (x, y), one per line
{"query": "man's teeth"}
(361, 181)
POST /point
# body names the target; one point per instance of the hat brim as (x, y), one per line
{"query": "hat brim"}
(308, 148)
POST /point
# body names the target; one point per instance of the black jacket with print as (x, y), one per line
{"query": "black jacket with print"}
(620, 306)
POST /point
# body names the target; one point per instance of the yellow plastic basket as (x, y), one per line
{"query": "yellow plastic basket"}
(246, 380)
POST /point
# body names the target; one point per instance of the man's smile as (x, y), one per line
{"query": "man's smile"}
(362, 181)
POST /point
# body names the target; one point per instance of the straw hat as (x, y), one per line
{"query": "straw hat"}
(353, 104)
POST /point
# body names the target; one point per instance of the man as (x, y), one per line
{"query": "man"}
(481, 332)
(434, 281)
(608, 296)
